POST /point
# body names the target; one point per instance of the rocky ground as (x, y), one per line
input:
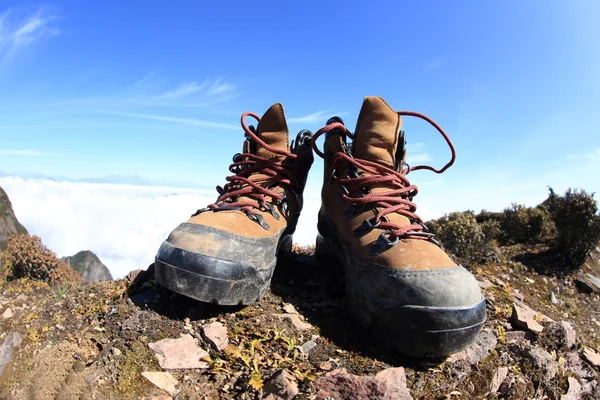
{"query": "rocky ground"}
(132, 339)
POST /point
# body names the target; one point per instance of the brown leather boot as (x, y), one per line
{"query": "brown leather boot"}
(226, 253)
(400, 285)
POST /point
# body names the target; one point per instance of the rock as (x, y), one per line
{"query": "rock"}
(517, 337)
(484, 283)
(486, 341)
(588, 283)
(553, 298)
(89, 266)
(162, 380)
(591, 356)
(574, 392)
(542, 360)
(307, 347)
(116, 352)
(524, 317)
(575, 364)
(289, 308)
(132, 275)
(389, 384)
(7, 314)
(294, 320)
(9, 225)
(21, 299)
(13, 340)
(562, 334)
(499, 377)
(529, 280)
(518, 295)
(215, 334)
(181, 353)
(281, 386)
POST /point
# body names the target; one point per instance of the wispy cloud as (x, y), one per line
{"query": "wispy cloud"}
(19, 30)
(318, 116)
(22, 152)
(198, 91)
(417, 158)
(594, 156)
(186, 121)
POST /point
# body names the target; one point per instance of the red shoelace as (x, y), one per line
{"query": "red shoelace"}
(398, 199)
(253, 175)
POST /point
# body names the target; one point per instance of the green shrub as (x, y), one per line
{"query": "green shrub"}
(577, 224)
(492, 229)
(462, 236)
(520, 224)
(26, 257)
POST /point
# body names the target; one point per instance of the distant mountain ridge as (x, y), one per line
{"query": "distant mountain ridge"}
(9, 225)
(89, 266)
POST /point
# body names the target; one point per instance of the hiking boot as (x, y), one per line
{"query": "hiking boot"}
(400, 285)
(226, 253)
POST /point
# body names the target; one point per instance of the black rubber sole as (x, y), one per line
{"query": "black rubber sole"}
(212, 280)
(418, 331)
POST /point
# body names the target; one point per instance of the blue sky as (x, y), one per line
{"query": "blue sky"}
(151, 89)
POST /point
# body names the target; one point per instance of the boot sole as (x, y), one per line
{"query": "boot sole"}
(212, 280)
(419, 331)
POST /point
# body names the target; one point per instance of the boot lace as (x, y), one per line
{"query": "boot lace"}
(253, 180)
(355, 188)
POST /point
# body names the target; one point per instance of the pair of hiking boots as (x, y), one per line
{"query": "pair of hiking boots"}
(401, 287)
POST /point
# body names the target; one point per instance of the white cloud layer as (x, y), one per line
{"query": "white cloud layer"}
(124, 225)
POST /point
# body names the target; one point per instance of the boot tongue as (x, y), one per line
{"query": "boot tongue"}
(272, 129)
(377, 131)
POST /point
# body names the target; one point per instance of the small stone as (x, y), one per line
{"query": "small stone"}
(186, 321)
(591, 356)
(524, 317)
(542, 360)
(307, 347)
(215, 334)
(486, 341)
(529, 280)
(162, 397)
(325, 366)
(60, 327)
(517, 337)
(181, 353)
(588, 283)
(484, 283)
(553, 298)
(518, 295)
(389, 384)
(162, 380)
(294, 320)
(574, 392)
(116, 352)
(575, 364)
(562, 334)
(7, 314)
(289, 308)
(22, 298)
(281, 386)
(499, 377)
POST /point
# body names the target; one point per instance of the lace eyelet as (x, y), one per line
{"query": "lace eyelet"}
(343, 191)
(383, 243)
(259, 219)
(367, 226)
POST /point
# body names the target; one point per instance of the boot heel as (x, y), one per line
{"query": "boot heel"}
(324, 249)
